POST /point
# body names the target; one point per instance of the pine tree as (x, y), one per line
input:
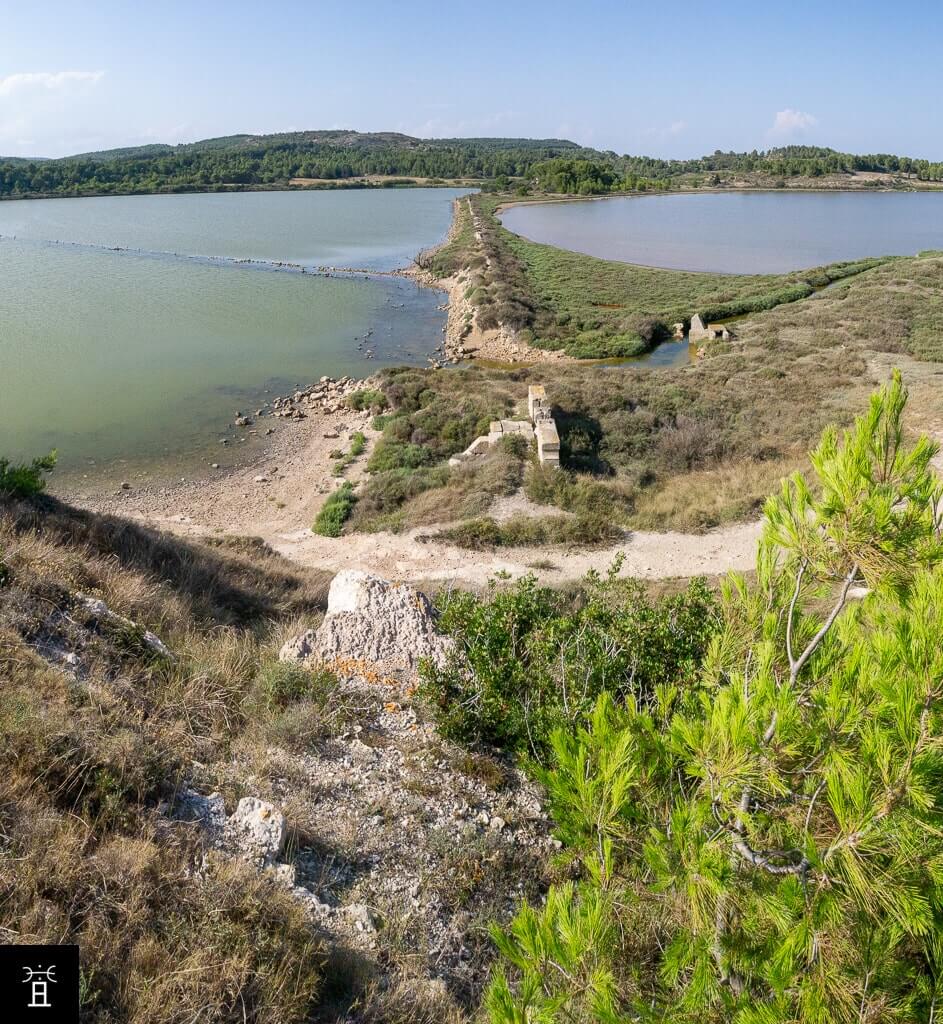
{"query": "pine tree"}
(769, 844)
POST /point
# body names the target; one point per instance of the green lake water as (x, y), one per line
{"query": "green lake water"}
(143, 357)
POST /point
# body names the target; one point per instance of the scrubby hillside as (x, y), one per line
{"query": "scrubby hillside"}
(156, 754)
(247, 803)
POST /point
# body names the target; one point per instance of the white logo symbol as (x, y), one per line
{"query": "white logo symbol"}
(39, 978)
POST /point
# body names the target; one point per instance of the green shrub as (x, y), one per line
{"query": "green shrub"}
(22, 480)
(358, 444)
(389, 454)
(335, 511)
(515, 445)
(525, 663)
(367, 398)
(380, 422)
(523, 531)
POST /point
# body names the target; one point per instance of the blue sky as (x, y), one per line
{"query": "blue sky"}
(668, 79)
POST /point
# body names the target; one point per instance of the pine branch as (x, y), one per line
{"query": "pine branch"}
(795, 667)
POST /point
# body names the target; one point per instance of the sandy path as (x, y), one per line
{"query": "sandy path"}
(277, 495)
(408, 557)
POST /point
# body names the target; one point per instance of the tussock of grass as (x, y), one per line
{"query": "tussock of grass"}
(335, 511)
(527, 531)
(703, 499)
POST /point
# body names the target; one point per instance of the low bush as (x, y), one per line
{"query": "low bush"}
(525, 662)
(582, 495)
(22, 480)
(367, 398)
(358, 444)
(335, 511)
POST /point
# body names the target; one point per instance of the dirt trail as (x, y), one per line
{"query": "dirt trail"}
(409, 558)
(277, 494)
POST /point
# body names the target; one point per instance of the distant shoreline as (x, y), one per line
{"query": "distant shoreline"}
(758, 189)
(349, 185)
(397, 182)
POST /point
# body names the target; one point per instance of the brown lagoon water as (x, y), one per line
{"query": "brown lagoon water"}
(738, 233)
(145, 353)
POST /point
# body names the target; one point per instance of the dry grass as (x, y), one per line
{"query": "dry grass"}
(699, 500)
(88, 756)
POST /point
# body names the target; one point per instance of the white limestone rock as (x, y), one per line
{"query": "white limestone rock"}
(256, 830)
(372, 628)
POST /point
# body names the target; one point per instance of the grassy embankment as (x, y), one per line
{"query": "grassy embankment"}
(677, 448)
(592, 308)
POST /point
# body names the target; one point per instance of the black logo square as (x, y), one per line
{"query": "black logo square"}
(39, 983)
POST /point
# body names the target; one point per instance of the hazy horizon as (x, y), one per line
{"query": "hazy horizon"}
(236, 134)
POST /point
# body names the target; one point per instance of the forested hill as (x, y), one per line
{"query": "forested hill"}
(346, 157)
(243, 160)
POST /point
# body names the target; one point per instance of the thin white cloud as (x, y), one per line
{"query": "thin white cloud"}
(789, 123)
(47, 113)
(51, 81)
(676, 127)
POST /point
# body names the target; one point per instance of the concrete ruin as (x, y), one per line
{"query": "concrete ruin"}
(541, 427)
(707, 332)
(548, 439)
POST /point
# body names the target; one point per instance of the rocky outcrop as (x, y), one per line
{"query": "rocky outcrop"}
(71, 637)
(254, 832)
(101, 613)
(373, 629)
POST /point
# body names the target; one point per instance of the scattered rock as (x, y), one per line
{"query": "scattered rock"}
(100, 612)
(209, 811)
(362, 917)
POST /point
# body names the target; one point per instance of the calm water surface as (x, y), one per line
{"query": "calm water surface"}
(143, 357)
(739, 233)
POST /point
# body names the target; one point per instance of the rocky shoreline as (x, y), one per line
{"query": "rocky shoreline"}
(464, 339)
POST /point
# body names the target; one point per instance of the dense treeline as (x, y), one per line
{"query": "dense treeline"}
(554, 165)
(785, 162)
(205, 166)
(590, 178)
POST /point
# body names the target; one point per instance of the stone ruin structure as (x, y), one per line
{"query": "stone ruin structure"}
(542, 428)
(706, 332)
(548, 440)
